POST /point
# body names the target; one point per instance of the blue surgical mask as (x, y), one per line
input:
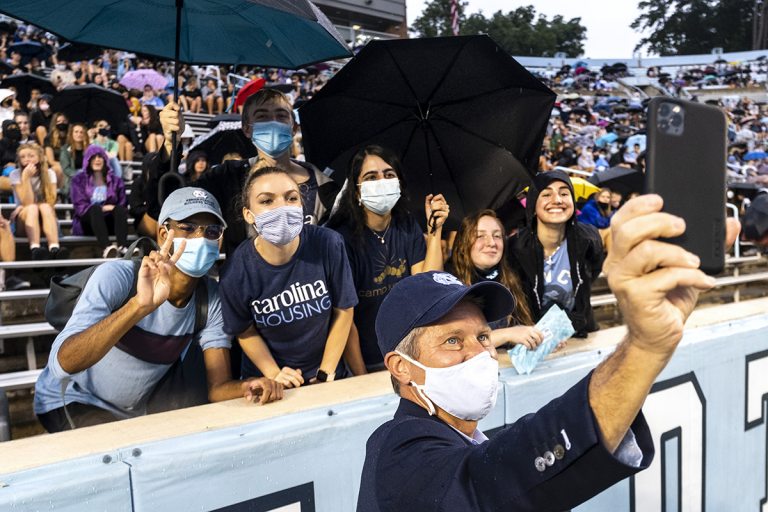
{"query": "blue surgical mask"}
(199, 255)
(272, 137)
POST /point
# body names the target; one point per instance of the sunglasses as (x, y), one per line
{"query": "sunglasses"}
(209, 231)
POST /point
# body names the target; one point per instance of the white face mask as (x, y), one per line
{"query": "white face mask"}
(467, 390)
(380, 196)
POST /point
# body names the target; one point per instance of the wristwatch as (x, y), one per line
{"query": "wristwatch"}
(324, 377)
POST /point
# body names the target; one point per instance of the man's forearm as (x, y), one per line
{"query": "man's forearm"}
(619, 386)
(81, 351)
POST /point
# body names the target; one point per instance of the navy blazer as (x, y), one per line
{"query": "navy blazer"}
(552, 460)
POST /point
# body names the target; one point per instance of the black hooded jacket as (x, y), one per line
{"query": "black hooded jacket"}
(585, 253)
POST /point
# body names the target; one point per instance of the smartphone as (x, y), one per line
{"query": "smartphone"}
(685, 165)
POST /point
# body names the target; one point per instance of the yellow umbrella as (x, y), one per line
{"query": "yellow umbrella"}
(582, 189)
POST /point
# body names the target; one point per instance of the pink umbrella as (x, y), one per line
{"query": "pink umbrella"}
(138, 78)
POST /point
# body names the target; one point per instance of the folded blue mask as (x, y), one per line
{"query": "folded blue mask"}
(556, 327)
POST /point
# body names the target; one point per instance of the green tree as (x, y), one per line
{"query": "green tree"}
(519, 32)
(697, 26)
(435, 20)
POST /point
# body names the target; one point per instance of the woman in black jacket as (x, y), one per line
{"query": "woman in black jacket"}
(557, 258)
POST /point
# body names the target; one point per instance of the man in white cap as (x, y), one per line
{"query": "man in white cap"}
(131, 329)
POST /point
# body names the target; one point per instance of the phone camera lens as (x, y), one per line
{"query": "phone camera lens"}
(676, 120)
(664, 109)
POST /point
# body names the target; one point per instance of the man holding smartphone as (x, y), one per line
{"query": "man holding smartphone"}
(434, 332)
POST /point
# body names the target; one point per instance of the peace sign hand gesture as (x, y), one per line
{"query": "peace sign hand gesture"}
(154, 283)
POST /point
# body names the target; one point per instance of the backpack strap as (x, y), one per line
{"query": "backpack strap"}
(201, 304)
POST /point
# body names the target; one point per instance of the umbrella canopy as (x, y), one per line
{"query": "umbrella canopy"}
(74, 52)
(755, 220)
(752, 155)
(465, 118)
(622, 179)
(266, 32)
(89, 103)
(30, 50)
(138, 78)
(639, 139)
(24, 83)
(227, 137)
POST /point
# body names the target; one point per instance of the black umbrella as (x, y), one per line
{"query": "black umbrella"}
(284, 88)
(622, 179)
(581, 111)
(5, 68)
(465, 118)
(8, 27)
(74, 52)
(745, 189)
(755, 220)
(89, 103)
(227, 137)
(221, 118)
(30, 50)
(24, 83)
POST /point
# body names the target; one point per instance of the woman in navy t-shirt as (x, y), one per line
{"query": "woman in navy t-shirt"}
(288, 293)
(384, 243)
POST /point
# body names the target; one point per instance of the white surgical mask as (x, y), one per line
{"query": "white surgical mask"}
(467, 390)
(281, 225)
(380, 196)
(199, 255)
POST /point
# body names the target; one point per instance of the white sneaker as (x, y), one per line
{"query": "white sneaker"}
(110, 252)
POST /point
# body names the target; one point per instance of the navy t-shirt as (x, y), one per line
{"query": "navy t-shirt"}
(291, 305)
(376, 268)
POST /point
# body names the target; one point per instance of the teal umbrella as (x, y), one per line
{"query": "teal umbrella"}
(275, 33)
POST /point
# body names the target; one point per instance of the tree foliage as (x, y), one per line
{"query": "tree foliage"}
(697, 26)
(519, 32)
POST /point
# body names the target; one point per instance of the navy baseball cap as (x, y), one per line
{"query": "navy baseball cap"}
(425, 298)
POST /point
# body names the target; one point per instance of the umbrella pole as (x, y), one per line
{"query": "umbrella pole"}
(172, 180)
(174, 141)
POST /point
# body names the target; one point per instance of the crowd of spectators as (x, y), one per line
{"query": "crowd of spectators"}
(308, 261)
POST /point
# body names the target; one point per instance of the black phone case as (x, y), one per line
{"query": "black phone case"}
(688, 171)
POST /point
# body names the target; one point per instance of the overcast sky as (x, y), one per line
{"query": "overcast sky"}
(607, 21)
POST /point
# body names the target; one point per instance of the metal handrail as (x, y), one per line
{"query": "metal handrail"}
(609, 299)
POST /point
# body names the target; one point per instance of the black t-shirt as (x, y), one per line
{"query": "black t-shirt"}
(196, 93)
(376, 268)
(38, 118)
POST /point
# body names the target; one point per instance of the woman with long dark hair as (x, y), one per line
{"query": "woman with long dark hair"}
(383, 241)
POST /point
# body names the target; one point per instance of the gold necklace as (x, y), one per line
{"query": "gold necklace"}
(380, 237)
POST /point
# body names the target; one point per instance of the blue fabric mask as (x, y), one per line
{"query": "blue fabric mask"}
(199, 255)
(272, 137)
(556, 327)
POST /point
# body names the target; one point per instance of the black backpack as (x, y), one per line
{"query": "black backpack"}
(65, 290)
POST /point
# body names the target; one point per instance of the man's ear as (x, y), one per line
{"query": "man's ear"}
(162, 234)
(398, 367)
